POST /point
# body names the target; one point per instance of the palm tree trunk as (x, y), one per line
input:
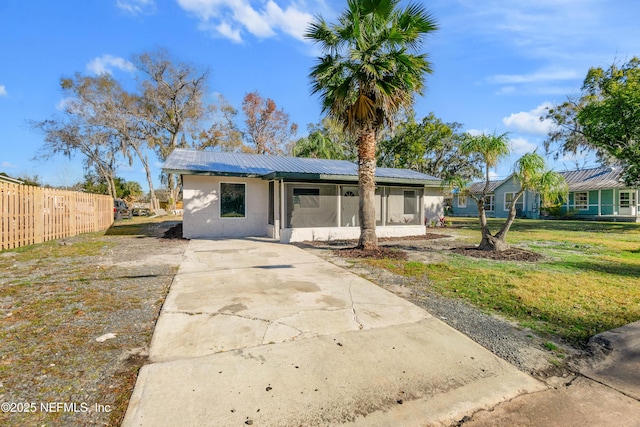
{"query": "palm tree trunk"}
(367, 188)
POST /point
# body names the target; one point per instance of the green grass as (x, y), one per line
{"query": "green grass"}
(589, 281)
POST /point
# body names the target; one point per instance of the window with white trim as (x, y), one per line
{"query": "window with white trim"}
(462, 201)
(489, 203)
(581, 200)
(508, 198)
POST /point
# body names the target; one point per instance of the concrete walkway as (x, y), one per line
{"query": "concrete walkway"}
(260, 333)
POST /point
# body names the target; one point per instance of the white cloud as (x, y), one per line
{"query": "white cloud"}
(225, 30)
(106, 63)
(293, 21)
(476, 132)
(540, 76)
(521, 146)
(8, 165)
(3, 91)
(137, 7)
(493, 176)
(529, 121)
(230, 18)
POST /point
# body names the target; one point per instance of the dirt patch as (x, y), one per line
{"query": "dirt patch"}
(390, 247)
(511, 254)
(378, 253)
(174, 232)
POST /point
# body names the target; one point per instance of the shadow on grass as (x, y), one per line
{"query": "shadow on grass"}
(552, 225)
(613, 269)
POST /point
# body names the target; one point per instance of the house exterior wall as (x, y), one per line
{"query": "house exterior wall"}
(601, 203)
(295, 210)
(433, 203)
(346, 233)
(527, 206)
(201, 195)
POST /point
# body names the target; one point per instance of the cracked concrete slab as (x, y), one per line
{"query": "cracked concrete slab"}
(416, 374)
(228, 292)
(261, 331)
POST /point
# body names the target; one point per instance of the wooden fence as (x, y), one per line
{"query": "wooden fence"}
(35, 214)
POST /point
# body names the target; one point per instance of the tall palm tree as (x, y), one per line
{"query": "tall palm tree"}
(366, 75)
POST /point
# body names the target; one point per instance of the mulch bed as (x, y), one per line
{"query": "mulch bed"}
(378, 253)
(381, 252)
(511, 254)
(427, 236)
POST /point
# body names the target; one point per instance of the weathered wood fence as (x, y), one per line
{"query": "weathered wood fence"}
(35, 214)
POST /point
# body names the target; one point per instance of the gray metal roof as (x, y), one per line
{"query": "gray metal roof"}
(578, 180)
(594, 179)
(477, 187)
(261, 166)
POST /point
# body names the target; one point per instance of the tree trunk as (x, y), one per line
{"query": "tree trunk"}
(147, 169)
(498, 242)
(367, 187)
(493, 243)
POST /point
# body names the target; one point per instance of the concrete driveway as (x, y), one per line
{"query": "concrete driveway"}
(255, 332)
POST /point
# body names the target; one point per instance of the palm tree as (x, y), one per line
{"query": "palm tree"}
(366, 75)
(529, 173)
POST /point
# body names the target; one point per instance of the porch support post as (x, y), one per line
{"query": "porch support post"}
(421, 201)
(283, 216)
(339, 203)
(383, 209)
(599, 202)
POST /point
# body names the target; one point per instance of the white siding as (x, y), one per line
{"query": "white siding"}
(202, 208)
(433, 203)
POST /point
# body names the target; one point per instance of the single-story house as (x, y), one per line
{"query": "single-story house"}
(499, 196)
(295, 199)
(596, 193)
(8, 179)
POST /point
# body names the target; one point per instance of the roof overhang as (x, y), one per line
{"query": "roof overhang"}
(310, 177)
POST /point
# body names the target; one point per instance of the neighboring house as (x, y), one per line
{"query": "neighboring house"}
(294, 199)
(497, 201)
(597, 193)
(5, 178)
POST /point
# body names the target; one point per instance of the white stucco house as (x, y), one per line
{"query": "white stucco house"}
(295, 199)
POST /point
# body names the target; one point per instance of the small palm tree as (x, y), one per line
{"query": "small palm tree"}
(366, 75)
(529, 173)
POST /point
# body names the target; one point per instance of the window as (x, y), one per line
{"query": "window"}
(581, 200)
(508, 198)
(410, 203)
(462, 201)
(307, 197)
(489, 203)
(232, 200)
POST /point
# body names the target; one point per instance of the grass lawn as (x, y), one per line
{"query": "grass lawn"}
(588, 282)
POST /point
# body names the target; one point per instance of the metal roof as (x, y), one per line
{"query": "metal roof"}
(262, 166)
(578, 180)
(477, 187)
(594, 179)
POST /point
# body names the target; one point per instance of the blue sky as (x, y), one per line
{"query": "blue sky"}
(496, 63)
